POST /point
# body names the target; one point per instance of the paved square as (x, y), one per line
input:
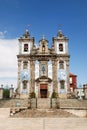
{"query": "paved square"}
(7, 123)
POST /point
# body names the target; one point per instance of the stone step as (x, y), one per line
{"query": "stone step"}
(43, 103)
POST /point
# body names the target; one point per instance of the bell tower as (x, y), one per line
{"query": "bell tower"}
(26, 44)
(60, 46)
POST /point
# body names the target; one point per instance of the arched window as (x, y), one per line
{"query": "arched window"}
(62, 84)
(61, 65)
(25, 65)
(24, 84)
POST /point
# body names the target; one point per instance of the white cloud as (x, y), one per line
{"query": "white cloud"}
(2, 34)
(8, 60)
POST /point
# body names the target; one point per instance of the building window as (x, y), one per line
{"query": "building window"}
(61, 65)
(62, 84)
(70, 80)
(25, 64)
(25, 47)
(24, 84)
(60, 47)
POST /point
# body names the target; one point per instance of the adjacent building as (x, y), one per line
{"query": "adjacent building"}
(73, 82)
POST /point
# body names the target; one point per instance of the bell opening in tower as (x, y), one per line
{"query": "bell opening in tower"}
(25, 47)
(60, 47)
(43, 48)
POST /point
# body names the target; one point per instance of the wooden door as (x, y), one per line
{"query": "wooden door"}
(43, 90)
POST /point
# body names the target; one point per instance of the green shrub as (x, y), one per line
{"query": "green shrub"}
(32, 95)
(54, 95)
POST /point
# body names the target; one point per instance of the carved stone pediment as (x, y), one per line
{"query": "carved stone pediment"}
(44, 79)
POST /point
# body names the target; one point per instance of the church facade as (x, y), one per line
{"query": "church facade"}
(42, 69)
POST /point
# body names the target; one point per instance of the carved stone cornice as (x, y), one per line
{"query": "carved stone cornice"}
(39, 57)
(43, 57)
(44, 79)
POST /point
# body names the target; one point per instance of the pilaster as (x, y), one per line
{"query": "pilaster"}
(54, 75)
(1, 93)
(11, 91)
(68, 82)
(32, 76)
(19, 80)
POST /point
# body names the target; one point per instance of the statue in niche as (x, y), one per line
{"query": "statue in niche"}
(43, 69)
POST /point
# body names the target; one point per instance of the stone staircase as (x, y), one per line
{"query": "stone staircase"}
(43, 103)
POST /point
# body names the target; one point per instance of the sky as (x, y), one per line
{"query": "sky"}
(44, 17)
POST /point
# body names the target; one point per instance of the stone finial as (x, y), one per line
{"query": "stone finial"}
(60, 34)
(11, 85)
(26, 34)
(1, 85)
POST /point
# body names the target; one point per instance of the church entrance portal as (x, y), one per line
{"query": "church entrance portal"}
(43, 90)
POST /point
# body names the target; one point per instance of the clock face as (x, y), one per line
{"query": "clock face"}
(61, 75)
(25, 75)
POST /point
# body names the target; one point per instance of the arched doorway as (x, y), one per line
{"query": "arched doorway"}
(43, 90)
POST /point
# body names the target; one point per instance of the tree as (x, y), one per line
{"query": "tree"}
(6, 93)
